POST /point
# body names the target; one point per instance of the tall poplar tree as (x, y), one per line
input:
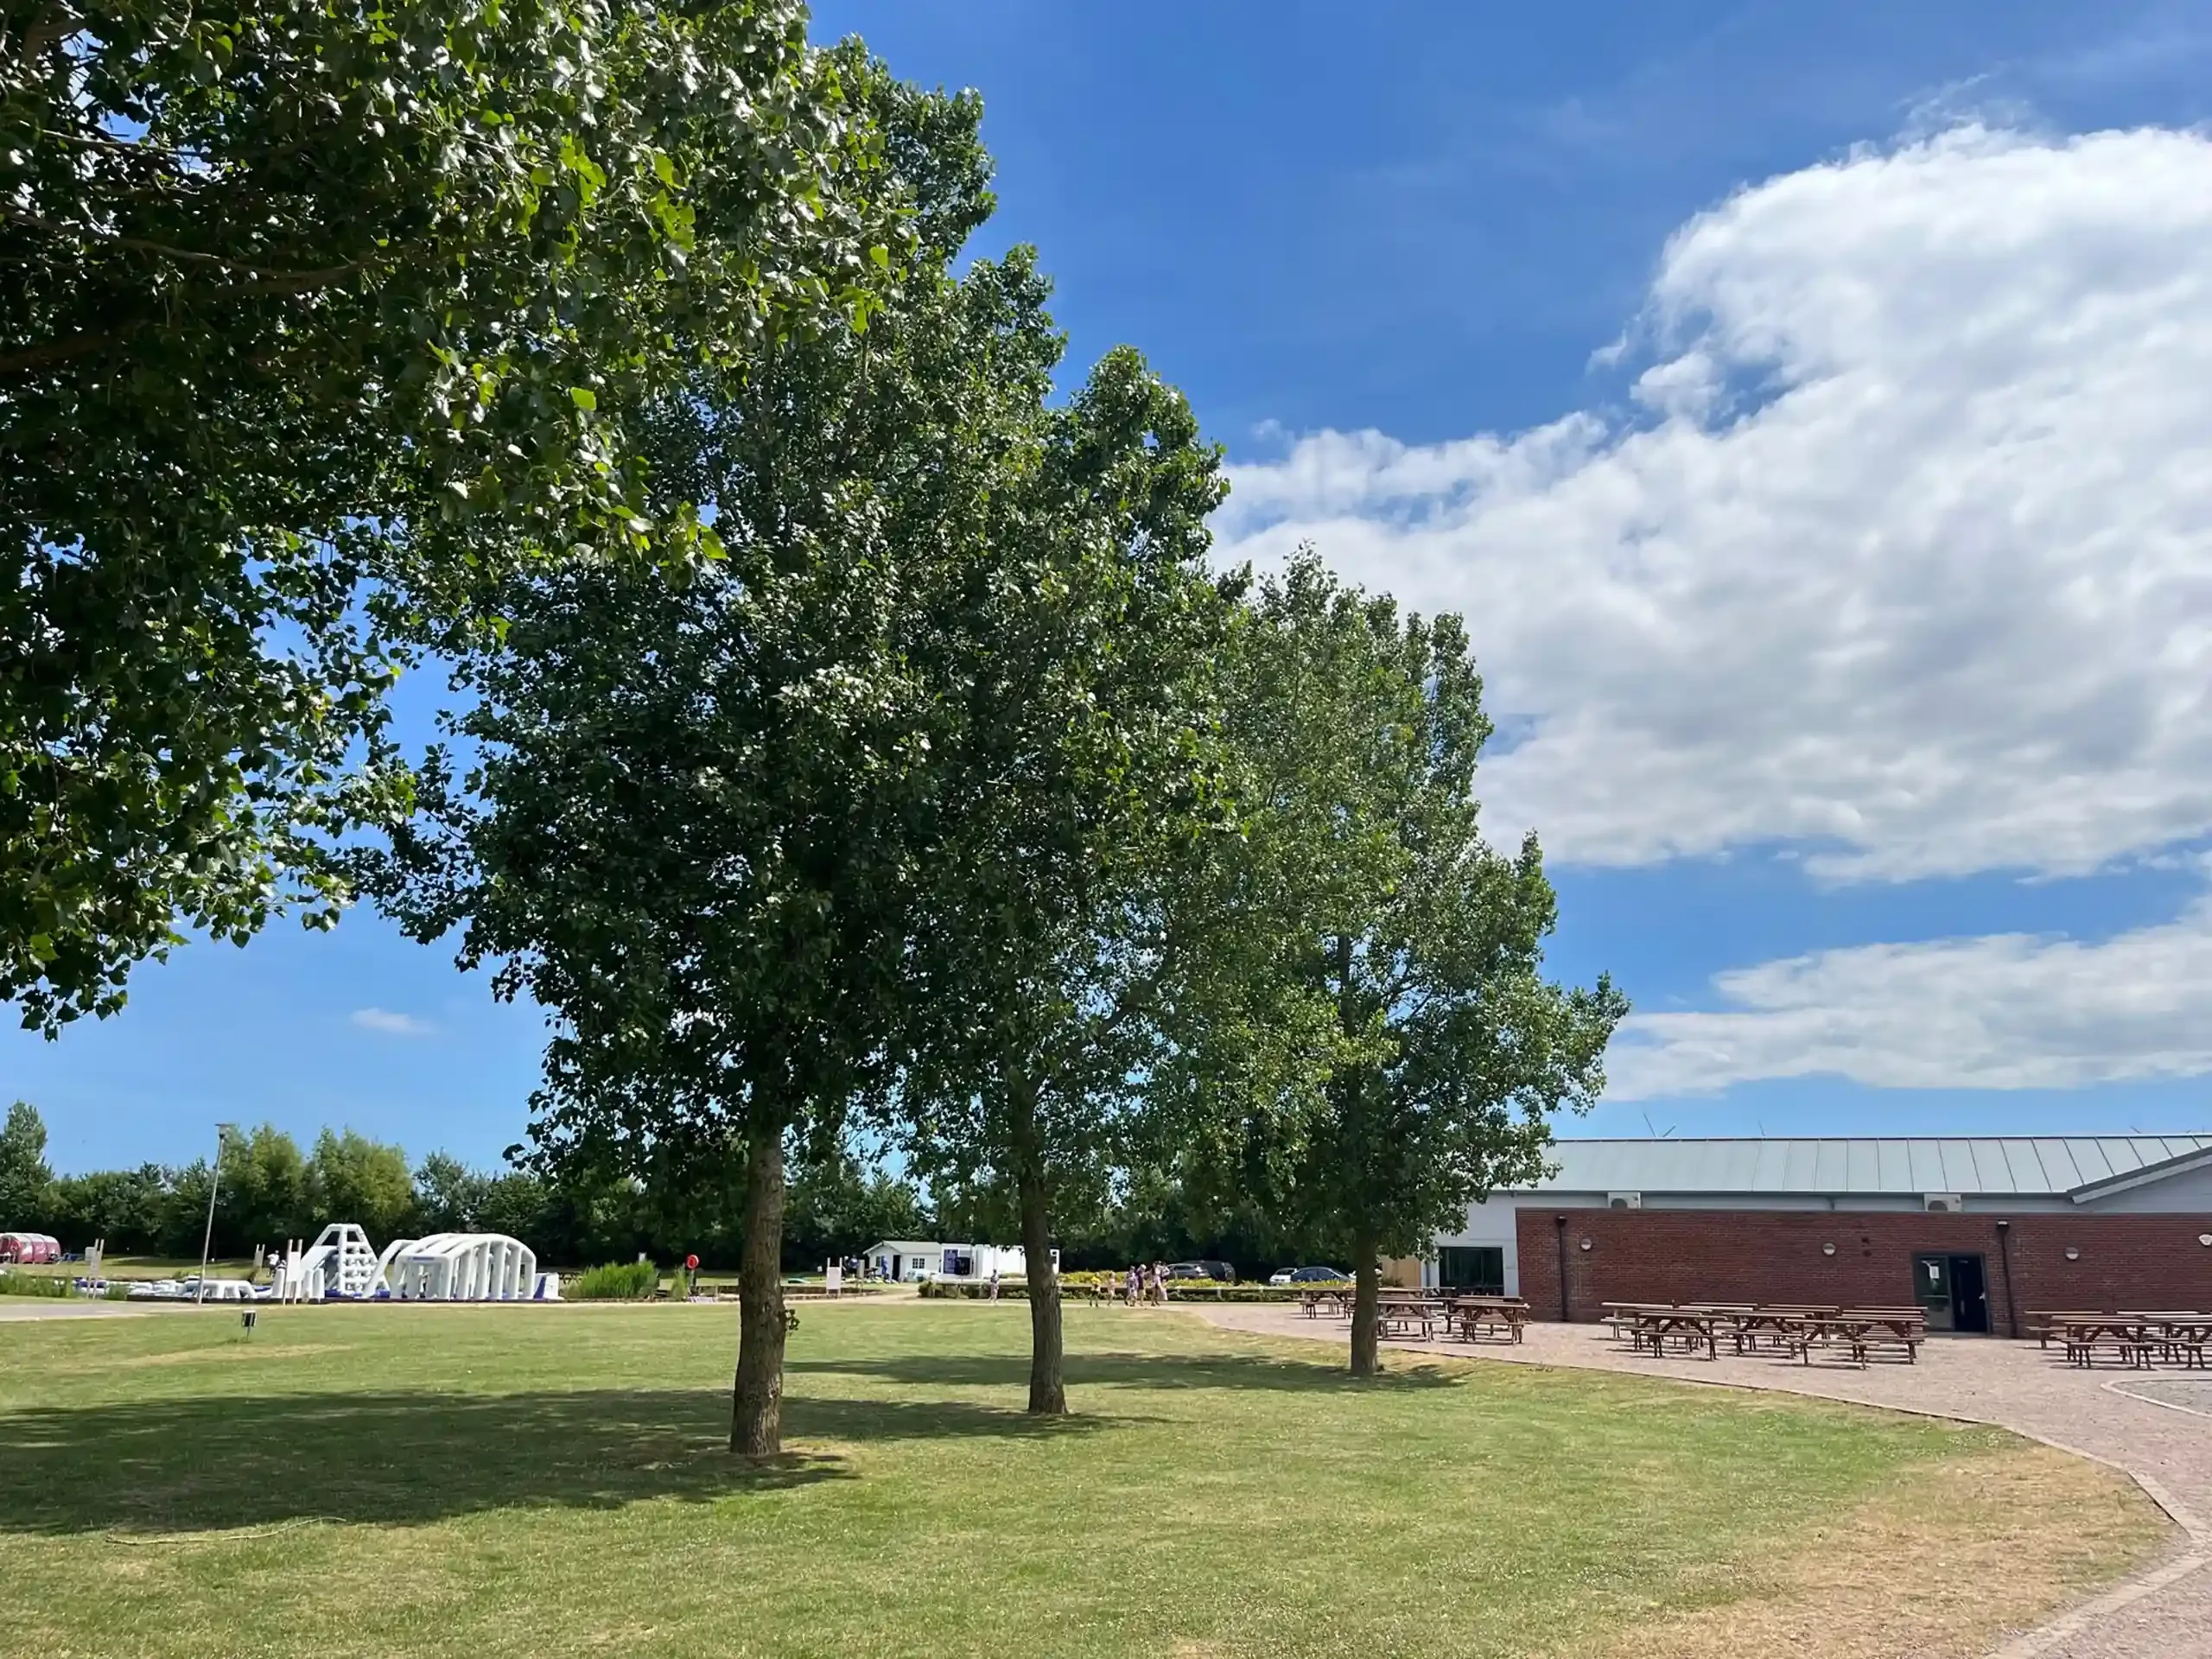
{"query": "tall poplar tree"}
(698, 804)
(1076, 756)
(1379, 1008)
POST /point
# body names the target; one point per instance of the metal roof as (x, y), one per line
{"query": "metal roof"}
(2009, 1164)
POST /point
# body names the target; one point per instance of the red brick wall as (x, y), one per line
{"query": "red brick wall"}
(1774, 1256)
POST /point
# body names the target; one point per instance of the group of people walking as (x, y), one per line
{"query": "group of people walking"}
(1143, 1284)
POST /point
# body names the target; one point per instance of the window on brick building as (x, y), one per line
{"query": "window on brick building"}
(1477, 1269)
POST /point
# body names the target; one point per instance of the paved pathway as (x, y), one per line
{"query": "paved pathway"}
(2156, 1427)
(54, 1307)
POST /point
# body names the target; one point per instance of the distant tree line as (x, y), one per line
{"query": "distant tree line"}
(271, 1191)
(838, 1205)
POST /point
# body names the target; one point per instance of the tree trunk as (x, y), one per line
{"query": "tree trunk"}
(1346, 1097)
(1048, 1394)
(1367, 1276)
(756, 1426)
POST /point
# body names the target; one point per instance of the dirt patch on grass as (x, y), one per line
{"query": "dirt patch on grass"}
(232, 1349)
(1943, 1563)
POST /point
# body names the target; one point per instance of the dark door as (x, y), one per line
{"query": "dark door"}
(1952, 1291)
(1931, 1288)
(1969, 1295)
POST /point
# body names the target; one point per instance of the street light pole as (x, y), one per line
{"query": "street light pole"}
(207, 1238)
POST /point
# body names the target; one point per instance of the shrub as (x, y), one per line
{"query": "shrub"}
(34, 1284)
(614, 1281)
(1178, 1290)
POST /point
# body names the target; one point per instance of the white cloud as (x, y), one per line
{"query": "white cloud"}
(2012, 1011)
(392, 1025)
(1905, 556)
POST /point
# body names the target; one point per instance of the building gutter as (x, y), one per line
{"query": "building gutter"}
(2004, 1254)
(1566, 1316)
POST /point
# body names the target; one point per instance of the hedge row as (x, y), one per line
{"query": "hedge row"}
(614, 1281)
(1178, 1290)
(34, 1284)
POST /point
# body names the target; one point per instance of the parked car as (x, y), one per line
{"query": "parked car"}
(1221, 1271)
(1310, 1276)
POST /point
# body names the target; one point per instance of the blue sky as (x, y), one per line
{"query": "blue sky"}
(1802, 412)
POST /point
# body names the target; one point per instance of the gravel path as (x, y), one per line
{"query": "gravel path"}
(2156, 1427)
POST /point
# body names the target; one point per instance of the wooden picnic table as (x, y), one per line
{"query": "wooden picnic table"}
(1655, 1325)
(1402, 1315)
(2137, 1338)
(1861, 1332)
(2043, 1326)
(1795, 1330)
(1470, 1316)
(2184, 1336)
(1779, 1325)
(1625, 1319)
(2082, 1334)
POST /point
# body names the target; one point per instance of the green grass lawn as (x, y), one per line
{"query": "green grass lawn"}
(527, 1481)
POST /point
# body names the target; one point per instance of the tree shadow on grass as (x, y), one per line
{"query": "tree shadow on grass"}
(1261, 1371)
(199, 1465)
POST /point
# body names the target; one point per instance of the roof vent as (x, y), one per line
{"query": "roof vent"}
(1946, 1204)
(1624, 1200)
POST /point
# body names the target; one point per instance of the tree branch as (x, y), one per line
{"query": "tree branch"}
(55, 25)
(291, 280)
(53, 351)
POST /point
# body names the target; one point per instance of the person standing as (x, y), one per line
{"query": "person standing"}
(1135, 1283)
(994, 1284)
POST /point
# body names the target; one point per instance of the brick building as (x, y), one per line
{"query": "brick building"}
(1979, 1232)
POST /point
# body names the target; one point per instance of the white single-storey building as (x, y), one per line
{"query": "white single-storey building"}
(911, 1260)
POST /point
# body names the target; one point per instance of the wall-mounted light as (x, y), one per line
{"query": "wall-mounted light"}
(1586, 1243)
(2073, 1252)
(2205, 1239)
(1828, 1249)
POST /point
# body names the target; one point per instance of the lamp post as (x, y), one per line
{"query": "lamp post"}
(207, 1238)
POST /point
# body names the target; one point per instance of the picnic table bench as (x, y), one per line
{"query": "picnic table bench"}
(2084, 1336)
(2137, 1339)
(1403, 1317)
(1623, 1319)
(1864, 1331)
(1472, 1316)
(2043, 1327)
(1654, 1327)
(1779, 1328)
(1795, 1331)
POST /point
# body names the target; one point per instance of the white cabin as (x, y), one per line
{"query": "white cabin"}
(912, 1261)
